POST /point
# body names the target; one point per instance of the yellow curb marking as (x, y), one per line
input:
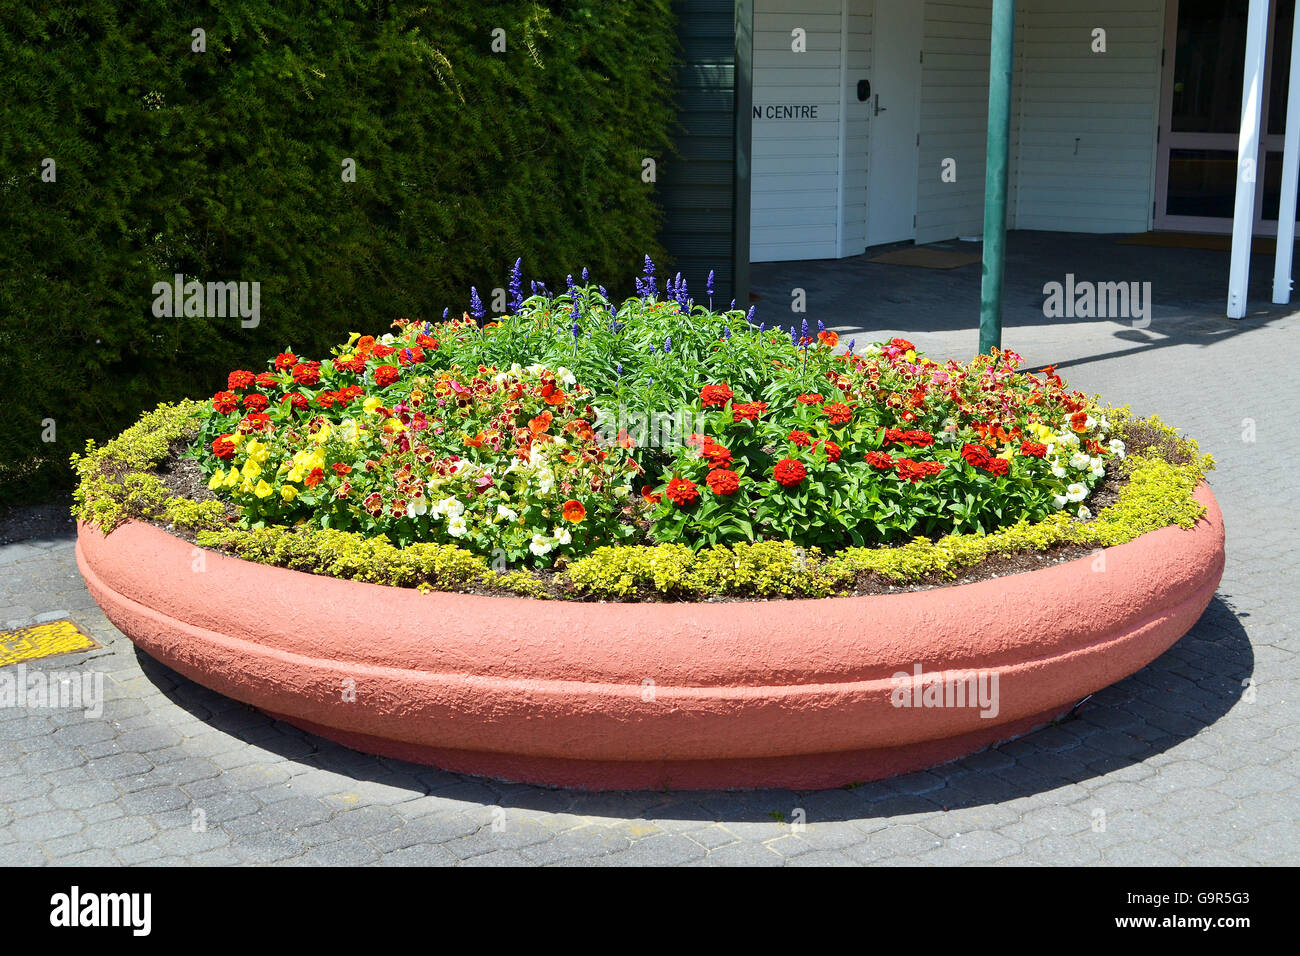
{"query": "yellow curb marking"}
(42, 640)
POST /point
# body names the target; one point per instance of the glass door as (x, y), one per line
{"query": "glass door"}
(1200, 115)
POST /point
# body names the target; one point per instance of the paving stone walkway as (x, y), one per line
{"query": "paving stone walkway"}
(1191, 761)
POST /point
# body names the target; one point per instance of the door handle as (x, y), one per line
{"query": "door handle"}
(880, 109)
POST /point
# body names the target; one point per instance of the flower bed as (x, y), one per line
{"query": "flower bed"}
(679, 453)
(665, 456)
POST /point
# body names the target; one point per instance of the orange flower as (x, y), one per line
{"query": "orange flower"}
(574, 511)
(828, 338)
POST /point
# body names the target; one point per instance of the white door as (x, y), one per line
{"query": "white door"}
(795, 182)
(895, 111)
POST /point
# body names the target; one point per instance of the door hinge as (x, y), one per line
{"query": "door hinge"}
(1162, 56)
(922, 55)
(918, 139)
(913, 221)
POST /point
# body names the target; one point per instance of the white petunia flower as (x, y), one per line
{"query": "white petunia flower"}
(1060, 501)
(539, 545)
(563, 375)
(1076, 492)
(545, 481)
(561, 535)
(417, 507)
(506, 514)
(1079, 461)
(535, 370)
(1117, 448)
(457, 527)
(449, 506)
(1057, 470)
(1084, 513)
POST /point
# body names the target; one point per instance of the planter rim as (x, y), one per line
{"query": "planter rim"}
(700, 693)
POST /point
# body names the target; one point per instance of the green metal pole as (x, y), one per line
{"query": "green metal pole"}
(995, 174)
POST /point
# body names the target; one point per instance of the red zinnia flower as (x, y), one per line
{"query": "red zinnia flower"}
(811, 398)
(723, 481)
(356, 365)
(716, 455)
(426, 341)
(998, 467)
(256, 402)
(682, 491)
(285, 360)
(306, 373)
(298, 400)
(833, 451)
(976, 455)
(789, 472)
(225, 402)
(223, 448)
(915, 438)
(383, 351)
(386, 375)
(266, 380)
(839, 413)
(747, 412)
(574, 510)
(239, 380)
(802, 439)
(880, 459)
(914, 471)
(255, 422)
(715, 396)
(1032, 449)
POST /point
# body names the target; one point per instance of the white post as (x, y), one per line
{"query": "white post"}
(1243, 219)
(1290, 169)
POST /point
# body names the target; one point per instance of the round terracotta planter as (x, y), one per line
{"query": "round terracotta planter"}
(801, 694)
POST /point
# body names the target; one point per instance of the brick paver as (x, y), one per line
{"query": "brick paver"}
(1191, 761)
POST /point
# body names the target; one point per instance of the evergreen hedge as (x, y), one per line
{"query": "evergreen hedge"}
(227, 165)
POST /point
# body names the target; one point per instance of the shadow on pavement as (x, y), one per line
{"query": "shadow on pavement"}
(1187, 689)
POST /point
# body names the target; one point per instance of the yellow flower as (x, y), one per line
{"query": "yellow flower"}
(251, 468)
(217, 478)
(288, 492)
(352, 338)
(257, 451)
(393, 426)
(263, 490)
(324, 433)
(232, 478)
(370, 404)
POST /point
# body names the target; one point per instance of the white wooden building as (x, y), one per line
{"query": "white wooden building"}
(863, 122)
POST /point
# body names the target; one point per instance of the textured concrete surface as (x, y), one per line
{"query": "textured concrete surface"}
(1192, 760)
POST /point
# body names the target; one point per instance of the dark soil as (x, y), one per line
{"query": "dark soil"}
(182, 477)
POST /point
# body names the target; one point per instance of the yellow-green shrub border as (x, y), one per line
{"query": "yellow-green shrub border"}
(117, 483)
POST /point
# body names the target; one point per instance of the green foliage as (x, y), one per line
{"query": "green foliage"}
(226, 165)
(118, 483)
